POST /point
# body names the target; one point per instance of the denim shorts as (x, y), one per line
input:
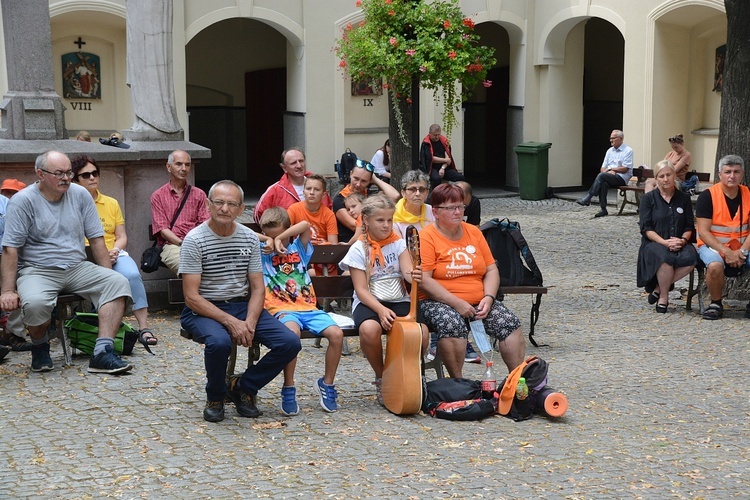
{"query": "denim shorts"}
(315, 321)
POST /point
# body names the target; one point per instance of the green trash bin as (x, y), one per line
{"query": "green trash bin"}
(533, 167)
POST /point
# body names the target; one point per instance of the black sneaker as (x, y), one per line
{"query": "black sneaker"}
(214, 411)
(747, 310)
(108, 362)
(4, 350)
(244, 402)
(40, 359)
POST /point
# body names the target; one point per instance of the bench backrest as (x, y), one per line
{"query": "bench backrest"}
(326, 287)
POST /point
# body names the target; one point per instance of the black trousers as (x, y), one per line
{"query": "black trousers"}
(601, 185)
(451, 175)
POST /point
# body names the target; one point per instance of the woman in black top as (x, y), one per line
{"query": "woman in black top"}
(667, 226)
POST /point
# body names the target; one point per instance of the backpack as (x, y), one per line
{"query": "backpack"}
(515, 261)
(348, 161)
(83, 329)
(457, 399)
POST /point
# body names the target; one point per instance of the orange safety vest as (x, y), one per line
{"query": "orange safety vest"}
(723, 226)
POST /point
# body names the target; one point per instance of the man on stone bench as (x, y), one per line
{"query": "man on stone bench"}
(222, 280)
(44, 255)
(165, 202)
(722, 217)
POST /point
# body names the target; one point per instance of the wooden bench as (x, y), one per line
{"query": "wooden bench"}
(327, 288)
(641, 174)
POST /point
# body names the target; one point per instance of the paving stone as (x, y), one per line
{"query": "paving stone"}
(658, 405)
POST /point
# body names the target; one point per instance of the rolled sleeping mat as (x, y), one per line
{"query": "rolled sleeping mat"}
(551, 403)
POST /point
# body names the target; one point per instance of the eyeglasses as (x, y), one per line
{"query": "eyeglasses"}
(365, 164)
(59, 174)
(453, 208)
(414, 189)
(220, 203)
(613, 138)
(88, 175)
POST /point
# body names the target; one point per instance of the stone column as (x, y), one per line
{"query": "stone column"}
(31, 109)
(150, 71)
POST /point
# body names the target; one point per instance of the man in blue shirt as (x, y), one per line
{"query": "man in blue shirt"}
(616, 170)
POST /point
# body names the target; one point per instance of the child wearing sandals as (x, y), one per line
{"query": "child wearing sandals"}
(290, 297)
(379, 254)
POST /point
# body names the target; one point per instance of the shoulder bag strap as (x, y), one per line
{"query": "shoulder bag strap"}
(179, 209)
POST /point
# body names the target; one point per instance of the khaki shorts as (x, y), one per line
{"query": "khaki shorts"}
(39, 288)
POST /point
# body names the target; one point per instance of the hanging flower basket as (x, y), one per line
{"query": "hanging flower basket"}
(403, 39)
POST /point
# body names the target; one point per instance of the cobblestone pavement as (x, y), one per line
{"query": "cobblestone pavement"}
(658, 406)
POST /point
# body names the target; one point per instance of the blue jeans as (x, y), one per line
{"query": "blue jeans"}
(282, 342)
(690, 183)
(126, 266)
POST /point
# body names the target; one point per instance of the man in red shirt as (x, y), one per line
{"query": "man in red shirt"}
(164, 204)
(289, 189)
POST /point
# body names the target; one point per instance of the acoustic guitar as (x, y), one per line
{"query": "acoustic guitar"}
(402, 374)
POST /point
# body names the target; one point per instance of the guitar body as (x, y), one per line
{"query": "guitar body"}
(402, 371)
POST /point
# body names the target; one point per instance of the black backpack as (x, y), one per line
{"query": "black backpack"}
(457, 399)
(514, 258)
(348, 161)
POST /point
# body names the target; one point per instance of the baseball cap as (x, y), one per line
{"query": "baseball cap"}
(12, 185)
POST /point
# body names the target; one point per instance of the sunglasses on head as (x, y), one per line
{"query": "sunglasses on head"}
(366, 165)
(88, 175)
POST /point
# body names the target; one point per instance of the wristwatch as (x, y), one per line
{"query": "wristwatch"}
(744, 252)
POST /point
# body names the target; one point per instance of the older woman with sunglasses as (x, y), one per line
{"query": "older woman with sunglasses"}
(460, 283)
(361, 176)
(411, 209)
(86, 173)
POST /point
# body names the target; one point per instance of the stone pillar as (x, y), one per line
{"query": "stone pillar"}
(150, 71)
(31, 109)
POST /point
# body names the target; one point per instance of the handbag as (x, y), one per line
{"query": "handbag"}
(151, 257)
(388, 289)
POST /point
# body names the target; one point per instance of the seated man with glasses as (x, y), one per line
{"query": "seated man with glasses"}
(44, 255)
(222, 280)
(616, 170)
(362, 175)
(164, 205)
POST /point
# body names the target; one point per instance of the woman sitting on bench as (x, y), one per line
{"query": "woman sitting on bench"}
(461, 280)
(667, 226)
(86, 173)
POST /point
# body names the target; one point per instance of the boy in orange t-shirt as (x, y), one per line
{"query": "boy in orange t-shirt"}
(323, 229)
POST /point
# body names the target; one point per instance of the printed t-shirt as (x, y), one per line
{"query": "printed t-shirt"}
(355, 259)
(457, 265)
(322, 222)
(288, 285)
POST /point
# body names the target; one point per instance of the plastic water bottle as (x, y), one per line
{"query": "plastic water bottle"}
(489, 382)
(522, 390)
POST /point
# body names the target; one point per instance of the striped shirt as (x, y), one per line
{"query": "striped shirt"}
(223, 262)
(164, 204)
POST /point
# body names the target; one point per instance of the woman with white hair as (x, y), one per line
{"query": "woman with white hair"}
(667, 229)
